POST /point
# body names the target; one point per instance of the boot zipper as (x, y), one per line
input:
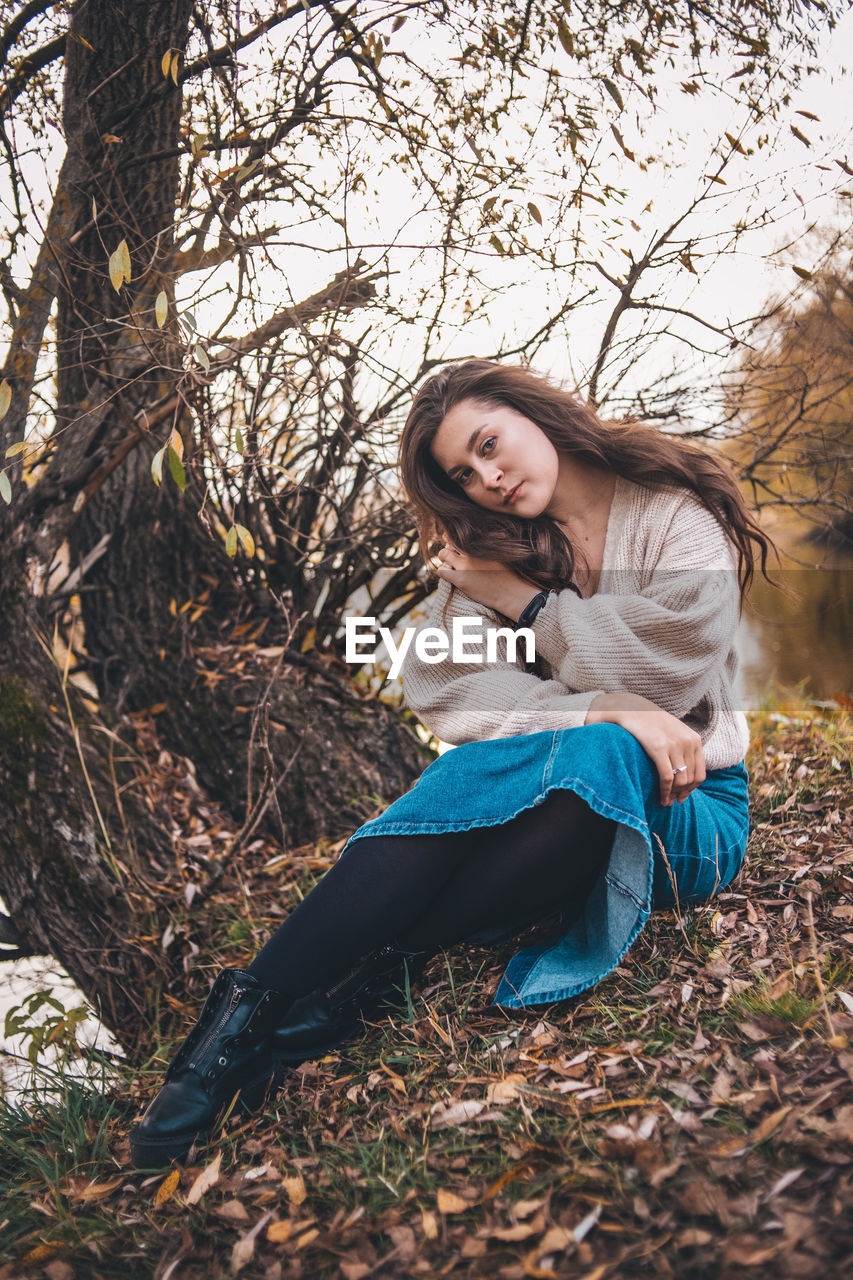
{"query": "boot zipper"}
(214, 1032)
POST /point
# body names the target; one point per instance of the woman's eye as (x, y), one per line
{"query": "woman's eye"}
(487, 444)
(464, 476)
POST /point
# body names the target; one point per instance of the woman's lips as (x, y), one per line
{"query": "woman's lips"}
(513, 493)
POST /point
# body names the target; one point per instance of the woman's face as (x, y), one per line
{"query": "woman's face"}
(499, 458)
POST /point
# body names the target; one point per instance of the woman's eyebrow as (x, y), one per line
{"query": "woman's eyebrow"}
(469, 445)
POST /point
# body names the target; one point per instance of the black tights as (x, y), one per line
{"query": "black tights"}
(432, 891)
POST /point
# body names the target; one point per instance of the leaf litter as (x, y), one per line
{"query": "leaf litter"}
(691, 1116)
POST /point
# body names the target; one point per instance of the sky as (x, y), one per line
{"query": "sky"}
(785, 177)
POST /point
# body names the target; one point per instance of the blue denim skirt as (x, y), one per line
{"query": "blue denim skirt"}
(684, 853)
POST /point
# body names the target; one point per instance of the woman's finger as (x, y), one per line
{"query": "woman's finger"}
(664, 767)
(681, 777)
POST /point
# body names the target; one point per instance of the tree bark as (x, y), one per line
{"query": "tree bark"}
(86, 869)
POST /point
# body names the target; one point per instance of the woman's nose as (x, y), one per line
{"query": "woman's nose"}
(494, 479)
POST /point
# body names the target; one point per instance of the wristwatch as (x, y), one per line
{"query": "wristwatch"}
(530, 610)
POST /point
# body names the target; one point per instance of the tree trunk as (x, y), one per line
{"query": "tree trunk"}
(71, 873)
(86, 869)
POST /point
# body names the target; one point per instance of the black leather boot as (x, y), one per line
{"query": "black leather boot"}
(226, 1052)
(321, 1021)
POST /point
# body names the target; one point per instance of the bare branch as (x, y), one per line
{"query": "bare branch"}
(27, 68)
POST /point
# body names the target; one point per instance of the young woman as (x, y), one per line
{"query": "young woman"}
(600, 779)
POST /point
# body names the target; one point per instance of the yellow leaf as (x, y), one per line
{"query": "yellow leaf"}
(42, 1252)
(449, 1202)
(205, 1180)
(177, 443)
(802, 273)
(14, 449)
(737, 1145)
(119, 266)
(295, 1188)
(534, 213)
(5, 398)
(167, 1188)
(306, 1239)
(174, 67)
(111, 137)
(429, 1224)
(231, 542)
(5, 488)
(278, 1232)
(247, 540)
(98, 1190)
(165, 62)
(161, 308)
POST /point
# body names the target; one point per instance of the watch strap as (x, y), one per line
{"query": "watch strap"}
(531, 609)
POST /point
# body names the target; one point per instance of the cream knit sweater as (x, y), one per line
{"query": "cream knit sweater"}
(661, 623)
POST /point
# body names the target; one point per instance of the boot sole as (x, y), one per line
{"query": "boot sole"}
(155, 1152)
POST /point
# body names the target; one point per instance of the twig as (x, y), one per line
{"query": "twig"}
(816, 962)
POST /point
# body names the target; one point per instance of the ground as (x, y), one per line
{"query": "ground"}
(692, 1116)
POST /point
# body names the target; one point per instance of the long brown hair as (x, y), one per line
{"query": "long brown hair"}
(538, 549)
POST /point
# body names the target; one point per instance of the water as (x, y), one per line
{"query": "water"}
(782, 640)
(804, 640)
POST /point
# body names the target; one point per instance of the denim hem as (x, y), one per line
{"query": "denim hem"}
(607, 768)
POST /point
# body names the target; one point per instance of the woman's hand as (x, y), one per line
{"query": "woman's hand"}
(488, 582)
(672, 745)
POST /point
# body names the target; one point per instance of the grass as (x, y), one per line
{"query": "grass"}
(700, 1131)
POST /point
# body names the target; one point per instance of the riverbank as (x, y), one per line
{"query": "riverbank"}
(693, 1116)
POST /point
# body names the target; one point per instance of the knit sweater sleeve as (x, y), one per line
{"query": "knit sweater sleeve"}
(487, 699)
(669, 638)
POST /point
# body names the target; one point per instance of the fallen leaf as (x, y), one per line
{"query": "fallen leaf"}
(355, 1270)
(403, 1238)
(294, 1185)
(518, 1230)
(429, 1224)
(449, 1202)
(735, 1146)
(692, 1237)
(206, 1179)
(458, 1113)
(244, 1249)
(505, 1090)
(84, 1190)
(232, 1211)
(59, 1270)
(42, 1252)
(167, 1188)
(524, 1208)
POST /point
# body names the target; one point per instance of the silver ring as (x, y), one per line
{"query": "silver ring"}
(680, 769)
